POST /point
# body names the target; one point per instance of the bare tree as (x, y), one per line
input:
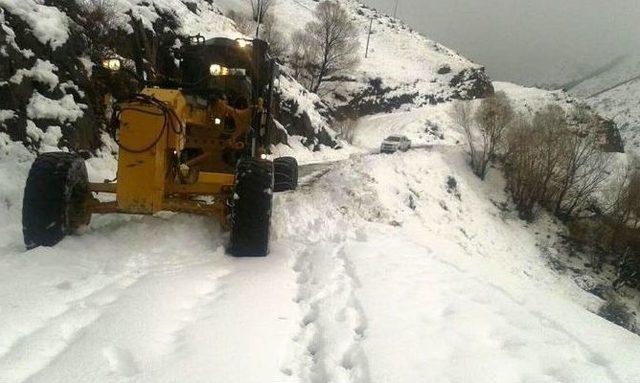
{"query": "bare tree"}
(583, 170)
(625, 202)
(551, 164)
(493, 117)
(98, 18)
(463, 115)
(303, 57)
(272, 34)
(522, 166)
(484, 129)
(532, 158)
(260, 8)
(347, 130)
(334, 39)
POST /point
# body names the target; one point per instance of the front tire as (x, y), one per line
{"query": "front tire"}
(55, 199)
(251, 208)
(285, 174)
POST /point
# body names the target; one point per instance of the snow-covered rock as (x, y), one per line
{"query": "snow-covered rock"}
(614, 91)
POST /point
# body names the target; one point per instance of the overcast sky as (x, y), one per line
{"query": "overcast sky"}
(528, 41)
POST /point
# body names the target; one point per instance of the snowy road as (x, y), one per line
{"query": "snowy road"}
(377, 273)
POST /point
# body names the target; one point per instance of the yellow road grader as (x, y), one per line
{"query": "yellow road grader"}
(195, 145)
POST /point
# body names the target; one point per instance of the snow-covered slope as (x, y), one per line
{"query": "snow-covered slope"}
(402, 66)
(530, 100)
(397, 268)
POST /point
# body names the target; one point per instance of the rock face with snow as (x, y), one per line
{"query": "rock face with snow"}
(614, 92)
(402, 69)
(43, 83)
(50, 75)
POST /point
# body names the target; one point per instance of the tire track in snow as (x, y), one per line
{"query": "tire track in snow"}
(327, 347)
(34, 351)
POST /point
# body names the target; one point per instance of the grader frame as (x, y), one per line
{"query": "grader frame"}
(196, 144)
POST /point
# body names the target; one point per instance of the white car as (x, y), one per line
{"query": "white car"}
(392, 144)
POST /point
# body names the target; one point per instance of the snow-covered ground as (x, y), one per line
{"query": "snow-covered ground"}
(529, 100)
(388, 268)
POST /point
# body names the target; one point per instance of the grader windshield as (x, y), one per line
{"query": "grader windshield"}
(239, 70)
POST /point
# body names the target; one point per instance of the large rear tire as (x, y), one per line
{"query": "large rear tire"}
(251, 208)
(55, 199)
(285, 174)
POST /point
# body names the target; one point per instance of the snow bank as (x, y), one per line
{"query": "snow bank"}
(398, 268)
(15, 162)
(45, 141)
(295, 148)
(10, 38)
(206, 19)
(6, 114)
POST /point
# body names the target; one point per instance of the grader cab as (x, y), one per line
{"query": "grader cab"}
(197, 144)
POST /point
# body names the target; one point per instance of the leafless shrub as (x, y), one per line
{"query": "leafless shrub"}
(330, 46)
(462, 114)
(624, 206)
(523, 166)
(98, 19)
(260, 9)
(347, 129)
(274, 36)
(269, 31)
(484, 129)
(492, 117)
(554, 165)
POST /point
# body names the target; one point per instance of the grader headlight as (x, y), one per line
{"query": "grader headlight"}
(112, 64)
(218, 70)
(243, 43)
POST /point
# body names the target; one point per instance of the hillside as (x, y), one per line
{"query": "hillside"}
(57, 65)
